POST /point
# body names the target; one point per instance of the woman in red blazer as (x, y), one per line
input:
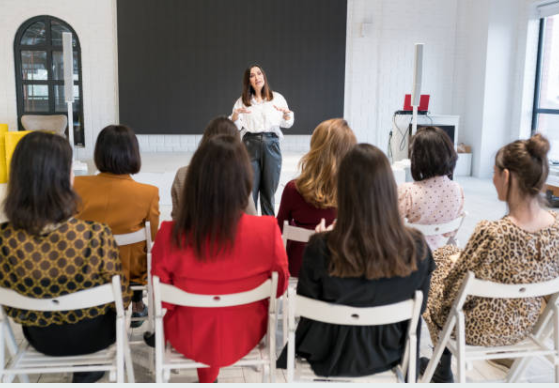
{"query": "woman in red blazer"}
(214, 248)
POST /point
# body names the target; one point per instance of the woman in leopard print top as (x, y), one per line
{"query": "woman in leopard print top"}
(522, 247)
(45, 252)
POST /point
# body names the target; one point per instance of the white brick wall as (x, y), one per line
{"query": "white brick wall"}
(95, 25)
(379, 61)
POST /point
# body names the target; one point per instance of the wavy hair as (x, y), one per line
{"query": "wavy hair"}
(330, 142)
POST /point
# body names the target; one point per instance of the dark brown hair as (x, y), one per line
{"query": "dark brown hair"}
(220, 126)
(248, 90)
(39, 190)
(432, 154)
(527, 160)
(117, 151)
(216, 191)
(369, 238)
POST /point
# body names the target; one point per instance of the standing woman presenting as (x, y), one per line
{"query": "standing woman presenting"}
(260, 113)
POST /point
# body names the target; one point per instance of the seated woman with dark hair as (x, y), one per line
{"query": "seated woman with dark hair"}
(47, 253)
(312, 196)
(433, 198)
(215, 248)
(368, 259)
(114, 198)
(216, 127)
(522, 247)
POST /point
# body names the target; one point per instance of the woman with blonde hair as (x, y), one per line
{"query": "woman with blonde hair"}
(312, 196)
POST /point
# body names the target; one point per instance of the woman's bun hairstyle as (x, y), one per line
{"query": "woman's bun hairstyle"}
(537, 146)
(527, 160)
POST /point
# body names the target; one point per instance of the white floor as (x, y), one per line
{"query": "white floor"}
(159, 169)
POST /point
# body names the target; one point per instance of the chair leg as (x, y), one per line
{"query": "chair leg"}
(13, 349)
(128, 361)
(556, 340)
(438, 351)
(266, 374)
(461, 347)
(284, 309)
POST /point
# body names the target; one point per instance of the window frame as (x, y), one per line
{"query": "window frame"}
(51, 83)
(537, 110)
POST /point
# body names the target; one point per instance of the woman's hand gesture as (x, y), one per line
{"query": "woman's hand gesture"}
(238, 111)
(322, 226)
(285, 111)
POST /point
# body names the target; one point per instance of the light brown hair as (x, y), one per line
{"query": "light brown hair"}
(527, 160)
(248, 90)
(369, 238)
(330, 142)
(216, 191)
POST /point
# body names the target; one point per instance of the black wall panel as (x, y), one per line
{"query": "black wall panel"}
(181, 61)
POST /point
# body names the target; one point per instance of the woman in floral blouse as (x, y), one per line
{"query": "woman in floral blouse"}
(432, 198)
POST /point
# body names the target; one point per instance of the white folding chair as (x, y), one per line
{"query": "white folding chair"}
(26, 360)
(143, 234)
(167, 359)
(534, 345)
(439, 229)
(408, 310)
(293, 233)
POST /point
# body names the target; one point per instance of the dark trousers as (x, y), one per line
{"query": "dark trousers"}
(265, 157)
(73, 339)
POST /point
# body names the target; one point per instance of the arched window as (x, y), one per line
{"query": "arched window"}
(40, 71)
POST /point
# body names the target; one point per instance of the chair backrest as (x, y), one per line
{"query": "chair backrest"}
(96, 296)
(295, 233)
(173, 295)
(487, 289)
(407, 310)
(438, 229)
(356, 316)
(143, 234)
(54, 123)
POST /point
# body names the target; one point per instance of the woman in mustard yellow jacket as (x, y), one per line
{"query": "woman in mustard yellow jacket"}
(114, 198)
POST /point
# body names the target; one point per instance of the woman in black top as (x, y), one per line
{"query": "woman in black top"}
(368, 259)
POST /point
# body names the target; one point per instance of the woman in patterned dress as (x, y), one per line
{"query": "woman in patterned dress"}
(522, 247)
(46, 252)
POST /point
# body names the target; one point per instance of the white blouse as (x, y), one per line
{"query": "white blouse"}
(263, 117)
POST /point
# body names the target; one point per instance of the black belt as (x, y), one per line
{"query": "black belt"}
(261, 134)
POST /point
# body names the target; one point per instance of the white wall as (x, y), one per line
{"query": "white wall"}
(475, 51)
(380, 44)
(94, 23)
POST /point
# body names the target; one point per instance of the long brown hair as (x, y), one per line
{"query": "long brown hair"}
(39, 190)
(369, 238)
(330, 141)
(216, 191)
(248, 90)
(527, 160)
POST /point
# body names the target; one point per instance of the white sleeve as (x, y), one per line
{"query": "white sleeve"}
(280, 102)
(238, 104)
